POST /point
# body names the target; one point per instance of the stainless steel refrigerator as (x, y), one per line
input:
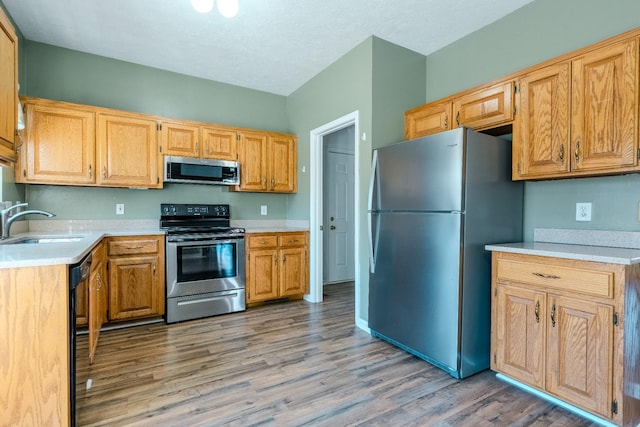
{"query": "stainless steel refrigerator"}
(434, 202)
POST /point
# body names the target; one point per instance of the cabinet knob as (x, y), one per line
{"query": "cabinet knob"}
(562, 153)
(90, 172)
(537, 311)
(577, 152)
(553, 316)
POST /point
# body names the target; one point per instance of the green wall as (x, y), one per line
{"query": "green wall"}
(72, 76)
(379, 80)
(542, 30)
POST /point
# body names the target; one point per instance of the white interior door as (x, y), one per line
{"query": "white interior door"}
(339, 229)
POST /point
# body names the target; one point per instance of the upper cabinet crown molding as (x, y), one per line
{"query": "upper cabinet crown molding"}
(8, 89)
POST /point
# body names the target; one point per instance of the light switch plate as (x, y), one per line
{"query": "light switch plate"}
(120, 209)
(263, 210)
(583, 211)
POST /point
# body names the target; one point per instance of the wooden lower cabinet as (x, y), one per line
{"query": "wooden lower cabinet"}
(136, 277)
(98, 297)
(277, 265)
(560, 326)
(34, 346)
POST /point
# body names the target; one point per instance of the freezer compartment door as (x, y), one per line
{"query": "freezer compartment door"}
(420, 175)
(413, 294)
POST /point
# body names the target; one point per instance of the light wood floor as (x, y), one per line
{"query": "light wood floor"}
(289, 364)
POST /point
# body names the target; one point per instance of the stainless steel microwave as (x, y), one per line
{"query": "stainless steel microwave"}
(201, 171)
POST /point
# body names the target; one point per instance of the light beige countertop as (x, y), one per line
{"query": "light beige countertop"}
(616, 247)
(31, 255)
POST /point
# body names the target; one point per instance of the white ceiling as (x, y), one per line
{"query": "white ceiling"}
(272, 45)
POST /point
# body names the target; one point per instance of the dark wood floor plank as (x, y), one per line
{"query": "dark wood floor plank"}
(289, 364)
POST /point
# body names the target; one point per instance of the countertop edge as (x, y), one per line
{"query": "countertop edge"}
(603, 254)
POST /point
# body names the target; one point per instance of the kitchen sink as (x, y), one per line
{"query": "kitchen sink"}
(41, 239)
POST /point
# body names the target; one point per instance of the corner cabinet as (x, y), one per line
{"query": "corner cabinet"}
(567, 328)
(268, 163)
(136, 277)
(8, 88)
(277, 265)
(128, 151)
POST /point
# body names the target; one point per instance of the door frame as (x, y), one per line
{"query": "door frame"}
(316, 170)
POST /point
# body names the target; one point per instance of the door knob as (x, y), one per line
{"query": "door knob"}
(333, 227)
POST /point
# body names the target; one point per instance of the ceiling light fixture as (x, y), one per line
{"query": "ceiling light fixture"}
(202, 6)
(228, 8)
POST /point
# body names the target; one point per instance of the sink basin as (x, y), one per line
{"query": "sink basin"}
(41, 239)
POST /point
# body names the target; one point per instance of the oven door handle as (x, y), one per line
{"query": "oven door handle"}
(203, 242)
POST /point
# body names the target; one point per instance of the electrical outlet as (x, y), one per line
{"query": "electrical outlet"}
(263, 210)
(120, 209)
(583, 211)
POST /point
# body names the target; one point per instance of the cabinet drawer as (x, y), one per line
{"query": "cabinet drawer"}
(262, 241)
(576, 279)
(291, 239)
(133, 247)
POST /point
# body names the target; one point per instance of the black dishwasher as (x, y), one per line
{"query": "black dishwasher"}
(78, 276)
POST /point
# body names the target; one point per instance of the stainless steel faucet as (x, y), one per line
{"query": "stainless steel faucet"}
(6, 219)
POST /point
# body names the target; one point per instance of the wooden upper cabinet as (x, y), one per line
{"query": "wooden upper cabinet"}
(219, 144)
(541, 145)
(180, 139)
(283, 164)
(252, 154)
(8, 88)
(59, 146)
(427, 120)
(604, 117)
(128, 152)
(485, 108)
(192, 140)
(268, 163)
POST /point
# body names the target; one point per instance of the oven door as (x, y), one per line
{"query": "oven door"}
(204, 266)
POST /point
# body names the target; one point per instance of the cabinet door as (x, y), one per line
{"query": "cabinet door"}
(97, 288)
(604, 116)
(179, 139)
(262, 275)
(283, 164)
(253, 162)
(541, 144)
(8, 88)
(82, 304)
(293, 277)
(219, 144)
(427, 120)
(60, 145)
(485, 108)
(134, 289)
(518, 334)
(97, 298)
(579, 353)
(128, 152)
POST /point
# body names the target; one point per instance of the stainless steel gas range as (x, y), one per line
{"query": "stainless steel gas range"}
(205, 261)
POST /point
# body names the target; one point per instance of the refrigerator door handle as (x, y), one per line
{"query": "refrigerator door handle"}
(372, 177)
